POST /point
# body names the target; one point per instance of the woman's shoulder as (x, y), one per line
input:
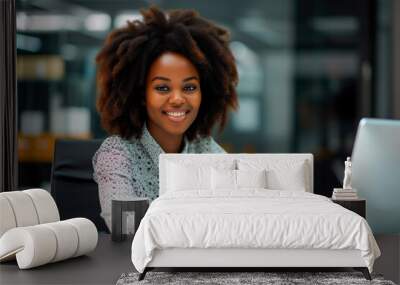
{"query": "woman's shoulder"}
(206, 145)
(114, 146)
(112, 143)
(112, 157)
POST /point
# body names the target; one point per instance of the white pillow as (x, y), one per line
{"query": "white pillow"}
(181, 177)
(282, 174)
(235, 179)
(292, 179)
(223, 179)
(251, 178)
(186, 173)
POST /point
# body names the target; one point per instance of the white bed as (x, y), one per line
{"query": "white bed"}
(214, 223)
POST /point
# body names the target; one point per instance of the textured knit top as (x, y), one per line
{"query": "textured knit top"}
(127, 168)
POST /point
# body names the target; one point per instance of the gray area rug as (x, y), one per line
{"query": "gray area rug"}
(229, 278)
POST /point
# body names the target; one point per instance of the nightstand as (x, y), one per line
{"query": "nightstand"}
(121, 212)
(358, 206)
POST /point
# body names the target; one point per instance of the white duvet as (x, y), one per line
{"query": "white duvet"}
(251, 218)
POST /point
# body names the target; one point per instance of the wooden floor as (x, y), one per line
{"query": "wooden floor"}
(110, 260)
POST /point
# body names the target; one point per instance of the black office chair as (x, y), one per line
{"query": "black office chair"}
(72, 184)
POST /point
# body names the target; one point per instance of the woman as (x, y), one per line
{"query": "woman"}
(164, 83)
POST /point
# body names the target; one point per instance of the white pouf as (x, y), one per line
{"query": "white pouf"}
(32, 233)
(37, 245)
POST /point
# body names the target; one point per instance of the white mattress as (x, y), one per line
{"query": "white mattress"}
(252, 218)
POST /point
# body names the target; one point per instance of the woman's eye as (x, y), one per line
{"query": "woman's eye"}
(190, 88)
(162, 88)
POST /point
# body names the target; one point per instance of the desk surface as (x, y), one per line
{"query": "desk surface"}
(102, 266)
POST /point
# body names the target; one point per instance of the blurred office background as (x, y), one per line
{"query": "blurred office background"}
(309, 70)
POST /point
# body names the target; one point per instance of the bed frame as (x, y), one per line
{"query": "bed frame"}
(242, 259)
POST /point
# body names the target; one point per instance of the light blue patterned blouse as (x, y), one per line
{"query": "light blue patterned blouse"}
(125, 169)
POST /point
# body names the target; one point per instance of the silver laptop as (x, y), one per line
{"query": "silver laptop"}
(376, 172)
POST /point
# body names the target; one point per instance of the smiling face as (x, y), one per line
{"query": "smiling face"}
(173, 95)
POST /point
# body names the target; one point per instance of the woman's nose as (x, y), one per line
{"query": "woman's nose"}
(177, 98)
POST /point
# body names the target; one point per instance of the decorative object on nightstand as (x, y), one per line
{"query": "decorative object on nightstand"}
(347, 174)
(126, 216)
(347, 192)
(344, 194)
(358, 205)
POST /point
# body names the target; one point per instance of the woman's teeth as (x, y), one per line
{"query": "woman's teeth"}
(176, 114)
